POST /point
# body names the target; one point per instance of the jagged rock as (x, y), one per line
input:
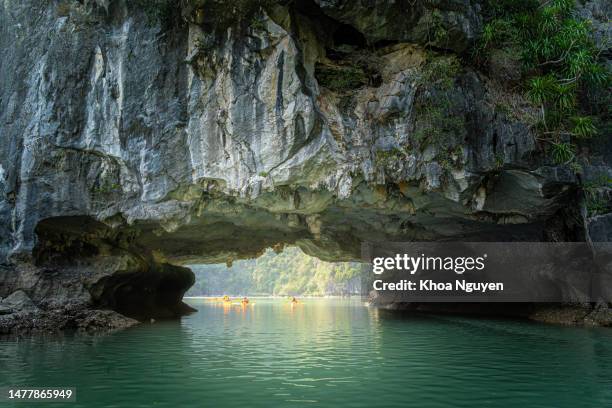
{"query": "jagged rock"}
(129, 134)
(450, 24)
(4, 310)
(104, 320)
(505, 66)
(600, 228)
(598, 13)
(18, 301)
(130, 143)
(69, 317)
(581, 315)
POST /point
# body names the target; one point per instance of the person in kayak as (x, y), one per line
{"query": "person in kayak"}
(245, 301)
(294, 300)
(226, 298)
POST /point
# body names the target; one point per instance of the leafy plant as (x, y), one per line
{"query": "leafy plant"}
(390, 157)
(436, 31)
(560, 59)
(499, 161)
(436, 124)
(340, 78)
(596, 206)
(595, 199)
(440, 71)
(563, 152)
(583, 127)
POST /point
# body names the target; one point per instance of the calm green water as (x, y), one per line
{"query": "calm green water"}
(320, 353)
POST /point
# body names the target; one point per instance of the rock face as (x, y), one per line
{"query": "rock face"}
(18, 300)
(447, 24)
(135, 136)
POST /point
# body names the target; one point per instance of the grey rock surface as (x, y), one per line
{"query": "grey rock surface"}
(18, 301)
(131, 140)
(80, 320)
(449, 24)
(4, 310)
(107, 115)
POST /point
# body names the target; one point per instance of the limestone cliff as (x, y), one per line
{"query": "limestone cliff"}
(135, 135)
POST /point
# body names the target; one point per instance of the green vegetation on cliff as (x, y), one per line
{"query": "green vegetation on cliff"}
(561, 67)
(289, 273)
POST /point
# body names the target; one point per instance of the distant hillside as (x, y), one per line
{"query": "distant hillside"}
(289, 273)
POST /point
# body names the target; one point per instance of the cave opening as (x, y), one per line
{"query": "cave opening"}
(289, 272)
(350, 63)
(143, 269)
(340, 33)
(102, 267)
(153, 293)
(346, 34)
